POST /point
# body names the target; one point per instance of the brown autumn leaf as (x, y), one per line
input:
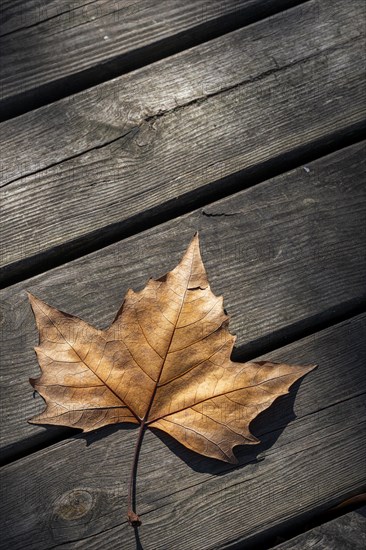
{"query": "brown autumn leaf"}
(163, 363)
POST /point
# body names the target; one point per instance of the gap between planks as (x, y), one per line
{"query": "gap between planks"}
(127, 166)
(289, 261)
(107, 236)
(327, 404)
(119, 56)
(340, 315)
(108, 112)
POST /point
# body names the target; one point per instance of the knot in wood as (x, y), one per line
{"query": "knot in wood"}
(74, 504)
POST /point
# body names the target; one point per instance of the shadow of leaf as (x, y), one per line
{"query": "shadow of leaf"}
(267, 426)
(101, 433)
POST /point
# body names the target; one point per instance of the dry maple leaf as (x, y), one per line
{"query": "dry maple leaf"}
(163, 363)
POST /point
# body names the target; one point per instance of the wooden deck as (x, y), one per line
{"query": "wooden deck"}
(126, 127)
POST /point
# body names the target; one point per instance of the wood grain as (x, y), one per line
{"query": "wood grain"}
(97, 116)
(286, 255)
(348, 531)
(48, 50)
(145, 172)
(21, 14)
(72, 494)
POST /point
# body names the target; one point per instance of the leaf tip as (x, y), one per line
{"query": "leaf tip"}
(195, 239)
(34, 420)
(309, 368)
(30, 296)
(33, 300)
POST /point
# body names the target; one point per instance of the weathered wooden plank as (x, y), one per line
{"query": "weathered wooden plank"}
(72, 494)
(20, 14)
(286, 254)
(236, 132)
(97, 116)
(343, 533)
(73, 45)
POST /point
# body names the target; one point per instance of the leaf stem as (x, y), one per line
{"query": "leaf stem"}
(133, 518)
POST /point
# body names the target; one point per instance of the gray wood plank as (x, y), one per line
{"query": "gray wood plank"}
(280, 108)
(347, 532)
(97, 116)
(68, 44)
(21, 14)
(73, 494)
(285, 254)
